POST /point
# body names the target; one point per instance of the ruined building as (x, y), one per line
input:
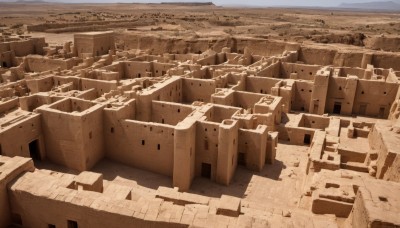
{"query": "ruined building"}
(94, 134)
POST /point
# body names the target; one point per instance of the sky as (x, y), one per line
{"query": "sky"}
(319, 3)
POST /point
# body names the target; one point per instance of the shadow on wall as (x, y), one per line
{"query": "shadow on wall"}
(239, 183)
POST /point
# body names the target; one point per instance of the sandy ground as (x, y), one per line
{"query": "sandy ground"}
(285, 24)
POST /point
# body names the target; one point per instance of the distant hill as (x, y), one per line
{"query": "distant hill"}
(388, 5)
(190, 3)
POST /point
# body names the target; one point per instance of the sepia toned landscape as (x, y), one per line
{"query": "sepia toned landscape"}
(199, 115)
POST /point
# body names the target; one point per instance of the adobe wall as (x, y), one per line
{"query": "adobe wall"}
(74, 140)
(29, 103)
(23, 47)
(40, 64)
(170, 90)
(10, 168)
(218, 113)
(302, 71)
(319, 92)
(94, 43)
(227, 151)
(160, 69)
(150, 148)
(197, 90)
(15, 138)
(271, 71)
(348, 59)
(42, 84)
(169, 113)
(319, 56)
(209, 60)
(6, 59)
(134, 69)
(185, 152)
(381, 140)
(375, 95)
(341, 90)
(38, 207)
(358, 58)
(103, 43)
(253, 143)
(113, 129)
(246, 100)
(61, 80)
(260, 84)
(263, 47)
(8, 105)
(101, 87)
(301, 95)
(207, 146)
(386, 60)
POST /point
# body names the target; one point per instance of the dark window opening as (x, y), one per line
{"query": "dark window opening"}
(382, 198)
(206, 170)
(381, 112)
(34, 150)
(337, 108)
(307, 139)
(242, 159)
(51, 226)
(1, 151)
(143, 142)
(16, 219)
(179, 110)
(139, 75)
(112, 130)
(4, 64)
(158, 146)
(331, 185)
(72, 224)
(162, 120)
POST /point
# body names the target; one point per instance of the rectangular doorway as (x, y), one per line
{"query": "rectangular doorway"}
(206, 170)
(34, 149)
(381, 112)
(337, 107)
(363, 109)
(307, 139)
(241, 159)
(316, 107)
